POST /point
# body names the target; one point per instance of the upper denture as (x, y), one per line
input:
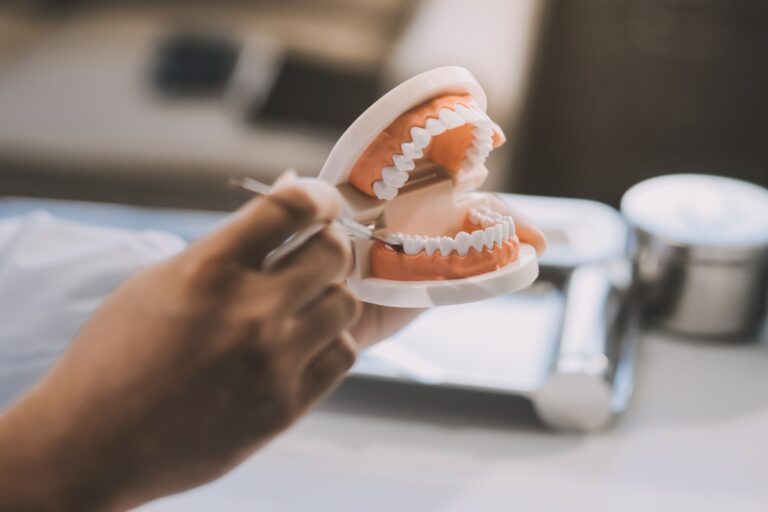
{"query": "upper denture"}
(448, 130)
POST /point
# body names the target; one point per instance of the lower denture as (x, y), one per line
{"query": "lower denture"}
(393, 265)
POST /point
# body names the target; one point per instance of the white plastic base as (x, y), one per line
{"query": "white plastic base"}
(424, 294)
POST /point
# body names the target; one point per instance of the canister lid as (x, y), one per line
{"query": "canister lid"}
(700, 211)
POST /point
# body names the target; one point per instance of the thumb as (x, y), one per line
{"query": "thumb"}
(264, 223)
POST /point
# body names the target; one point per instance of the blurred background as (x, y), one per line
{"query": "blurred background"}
(156, 102)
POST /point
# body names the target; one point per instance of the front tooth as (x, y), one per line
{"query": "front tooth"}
(450, 118)
(394, 238)
(394, 177)
(512, 228)
(462, 243)
(402, 163)
(412, 245)
(410, 150)
(420, 137)
(446, 245)
(435, 127)
(431, 245)
(477, 240)
(498, 234)
(475, 216)
(469, 115)
(488, 234)
(384, 191)
(505, 230)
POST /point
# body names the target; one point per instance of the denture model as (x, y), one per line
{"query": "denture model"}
(408, 167)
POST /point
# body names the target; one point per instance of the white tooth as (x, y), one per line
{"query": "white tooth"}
(498, 234)
(431, 245)
(469, 115)
(483, 143)
(435, 127)
(394, 177)
(474, 154)
(410, 150)
(488, 238)
(512, 228)
(450, 118)
(395, 238)
(446, 245)
(412, 245)
(420, 137)
(487, 221)
(505, 230)
(402, 163)
(384, 191)
(462, 243)
(467, 164)
(484, 121)
(477, 240)
(482, 132)
(474, 216)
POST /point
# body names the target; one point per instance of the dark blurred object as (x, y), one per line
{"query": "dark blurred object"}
(627, 89)
(319, 94)
(193, 63)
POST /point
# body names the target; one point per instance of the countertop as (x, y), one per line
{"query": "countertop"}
(694, 438)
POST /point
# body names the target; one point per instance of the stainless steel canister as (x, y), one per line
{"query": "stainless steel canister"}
(701, 252)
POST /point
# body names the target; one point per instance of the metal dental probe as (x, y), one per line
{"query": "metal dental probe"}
(354, 228)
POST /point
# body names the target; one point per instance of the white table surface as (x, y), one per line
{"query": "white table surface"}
(695, 438)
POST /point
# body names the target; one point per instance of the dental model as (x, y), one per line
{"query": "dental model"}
(408, 167)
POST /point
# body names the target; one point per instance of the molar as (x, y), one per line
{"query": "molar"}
(403, 163)
(467, 165)
(394, 177)
(384, 191)
(475, 155)
(410, 151)
(412, 245)
(469, 115)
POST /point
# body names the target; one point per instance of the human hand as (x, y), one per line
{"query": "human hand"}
(190, 365)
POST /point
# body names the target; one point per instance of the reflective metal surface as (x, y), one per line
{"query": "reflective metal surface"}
(701, 252)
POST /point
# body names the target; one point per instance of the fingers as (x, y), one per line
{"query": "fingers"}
(378, 323)
(324, 259)
(327, 368)
(323, 320)
(266, 222)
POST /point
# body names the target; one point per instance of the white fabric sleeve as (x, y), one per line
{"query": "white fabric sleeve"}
(53, 275)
